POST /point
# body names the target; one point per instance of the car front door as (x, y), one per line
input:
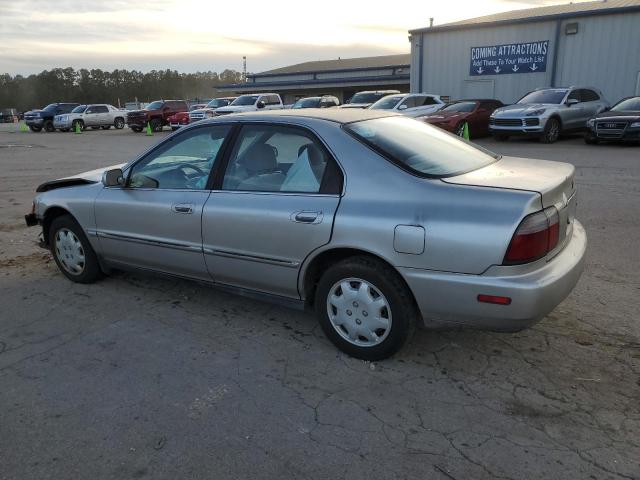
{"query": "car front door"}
(274, 205)
(91, 116)
(154, 220)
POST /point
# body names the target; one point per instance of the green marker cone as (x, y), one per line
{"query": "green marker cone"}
(23, 127)
(465, 131)
(149, 131)
(78, 129)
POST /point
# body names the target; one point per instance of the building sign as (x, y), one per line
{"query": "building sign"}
(509, 58)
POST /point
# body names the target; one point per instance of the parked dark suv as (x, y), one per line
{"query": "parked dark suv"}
(620, 124)
(155, 114)
(39, 119)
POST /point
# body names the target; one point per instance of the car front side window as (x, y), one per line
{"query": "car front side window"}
(183, 162)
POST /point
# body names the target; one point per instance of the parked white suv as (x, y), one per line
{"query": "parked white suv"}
(410, 104)
(96, 115)
(252, 103)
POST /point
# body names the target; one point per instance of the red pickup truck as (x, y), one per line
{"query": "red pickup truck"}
(156, 114)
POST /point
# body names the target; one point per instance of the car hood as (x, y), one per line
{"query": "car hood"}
(611, 114)
(445, 116)
(237, 108)
(523, 109)
(31, 112)
(92, 176)
(554, 181)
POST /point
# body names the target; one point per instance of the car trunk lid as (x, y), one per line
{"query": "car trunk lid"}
(553, 181)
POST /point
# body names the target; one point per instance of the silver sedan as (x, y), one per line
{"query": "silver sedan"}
(377, 222)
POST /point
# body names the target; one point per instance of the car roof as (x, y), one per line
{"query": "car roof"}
(338, 115)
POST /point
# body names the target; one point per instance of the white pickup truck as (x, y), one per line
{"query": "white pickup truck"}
(252, 103)
(96, 115)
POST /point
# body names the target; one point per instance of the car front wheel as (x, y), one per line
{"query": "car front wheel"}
(365, 308)
(72, 251)
(156, 125)
(551, 131)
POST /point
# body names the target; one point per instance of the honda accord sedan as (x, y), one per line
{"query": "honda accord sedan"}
(375, 221)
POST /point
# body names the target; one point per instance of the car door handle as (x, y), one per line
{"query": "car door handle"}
(306, 216)
(182, 208)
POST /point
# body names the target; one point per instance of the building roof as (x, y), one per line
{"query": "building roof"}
(340, 64)
(527, 15)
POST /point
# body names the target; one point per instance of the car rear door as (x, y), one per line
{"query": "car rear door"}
(273, 205)
(154, 221)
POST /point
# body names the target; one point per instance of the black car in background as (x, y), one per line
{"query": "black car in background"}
(621, 123)
(8, 115)
(39, 119)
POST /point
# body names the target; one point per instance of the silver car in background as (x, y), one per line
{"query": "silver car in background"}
(376, 221)
(546, 113)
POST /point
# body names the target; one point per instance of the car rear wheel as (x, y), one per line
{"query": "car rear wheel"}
(551, 131)
(118, 123)
(136, 129)
(365, 308)
(156, 125)
(72, 251)
(48, 126)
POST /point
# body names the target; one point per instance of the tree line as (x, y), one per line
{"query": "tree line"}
(116, 87)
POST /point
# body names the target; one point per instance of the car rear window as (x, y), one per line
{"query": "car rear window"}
(420, 148)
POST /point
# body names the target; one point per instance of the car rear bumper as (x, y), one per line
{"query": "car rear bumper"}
(450, 298)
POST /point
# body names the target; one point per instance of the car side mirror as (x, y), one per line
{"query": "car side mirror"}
(402, 107)
(260, 104)
(113, 178)
(572, 101)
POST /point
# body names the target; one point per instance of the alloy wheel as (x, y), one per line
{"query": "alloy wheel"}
(359, 312)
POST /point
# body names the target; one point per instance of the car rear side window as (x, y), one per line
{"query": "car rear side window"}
(270, 158)
(419, 148)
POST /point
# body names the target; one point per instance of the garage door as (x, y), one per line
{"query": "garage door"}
(478, 89)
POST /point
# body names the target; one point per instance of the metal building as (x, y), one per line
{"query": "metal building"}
(341, 78)
(506, 55)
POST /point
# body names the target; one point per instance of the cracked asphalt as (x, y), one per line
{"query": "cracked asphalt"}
(144, 377)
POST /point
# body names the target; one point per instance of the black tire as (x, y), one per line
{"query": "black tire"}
(387, 283)
(75, 123)
(498, 137)
(118, 123)
(590, 139)
(551, 132)
(95, 128)
(35, 128)
(106, 127)
(136, 129)
(67, 227)
(156, 125)
(64, 129)
(48, 126)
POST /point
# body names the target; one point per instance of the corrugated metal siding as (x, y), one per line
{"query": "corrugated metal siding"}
(605, 54)
(447, 57)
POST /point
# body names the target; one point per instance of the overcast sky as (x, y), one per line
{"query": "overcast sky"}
(192, 35)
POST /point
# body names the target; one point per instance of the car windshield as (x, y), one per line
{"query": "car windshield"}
(420, 148)
(366, 97)
(313, 102)
(51, 106)
(628, 105)
(551, 95)
(79, 109)
(244, 100)
(154, 105)
(460, 107)
(217, 103)
(387, 103)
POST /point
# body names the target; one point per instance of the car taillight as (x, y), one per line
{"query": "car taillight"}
(536, 236)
